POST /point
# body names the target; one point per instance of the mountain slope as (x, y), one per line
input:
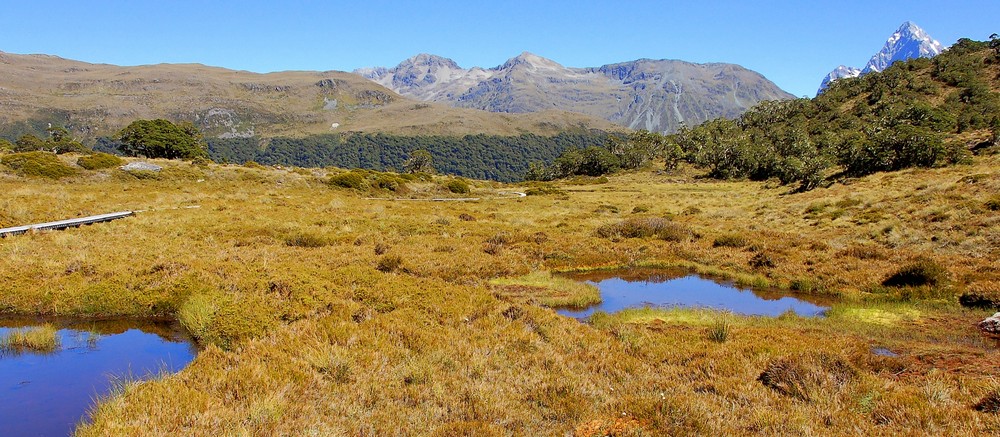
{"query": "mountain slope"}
(907, 42)
(656, 95)
(99, 99)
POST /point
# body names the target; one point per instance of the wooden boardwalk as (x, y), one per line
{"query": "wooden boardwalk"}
(63, 224)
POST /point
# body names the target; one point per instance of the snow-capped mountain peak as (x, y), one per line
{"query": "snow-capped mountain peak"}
(908, 42)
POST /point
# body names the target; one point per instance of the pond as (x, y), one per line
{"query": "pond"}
(677, 288)
(50, 393)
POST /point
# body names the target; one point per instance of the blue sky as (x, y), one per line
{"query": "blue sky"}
(793, 43)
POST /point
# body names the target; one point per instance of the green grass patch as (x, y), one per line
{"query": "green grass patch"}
(550, 290)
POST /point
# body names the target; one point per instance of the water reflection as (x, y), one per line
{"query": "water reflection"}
(49, 393)
(677, 288)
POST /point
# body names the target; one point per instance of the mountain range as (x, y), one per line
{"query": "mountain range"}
(908, 42)
(98, 99)
(656, 95)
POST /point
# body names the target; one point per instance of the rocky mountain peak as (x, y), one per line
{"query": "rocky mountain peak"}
(907, 42)
(530, 60)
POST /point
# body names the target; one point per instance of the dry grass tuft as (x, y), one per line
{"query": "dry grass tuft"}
(42, 339)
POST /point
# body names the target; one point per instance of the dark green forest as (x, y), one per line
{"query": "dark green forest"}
(500, 158)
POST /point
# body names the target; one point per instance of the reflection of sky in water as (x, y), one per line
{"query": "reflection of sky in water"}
(48, 394)
(690, 291)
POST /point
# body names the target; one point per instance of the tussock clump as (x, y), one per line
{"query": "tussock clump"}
(307, 239)
(99, 161)
(865, 252)
(389, 263)
(381, 248)
(645, 228)
(466, 217)
(719, 332)
(42, 339)
(763, 260)
(804, 376)
(990, 403)
(923, 271)
(993, 203)
(730, 240)
(38, 164)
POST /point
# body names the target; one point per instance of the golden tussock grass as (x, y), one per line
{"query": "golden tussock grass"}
(327, 339)
(42, 339)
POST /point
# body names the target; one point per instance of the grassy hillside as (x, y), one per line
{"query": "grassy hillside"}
(325, 312)
(92, 100)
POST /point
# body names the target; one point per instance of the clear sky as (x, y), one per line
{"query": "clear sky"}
(793, 43)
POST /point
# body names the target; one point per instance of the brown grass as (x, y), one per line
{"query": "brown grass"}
(316, 340)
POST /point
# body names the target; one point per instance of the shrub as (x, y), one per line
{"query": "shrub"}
(390, 182)
(973, 299)
(389, 263)
(544, 190)
(99, 161)
(351, 180)
(730, 240)
(923, 271)
(38, 164)
(458, 186)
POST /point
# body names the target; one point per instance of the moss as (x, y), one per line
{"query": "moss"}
(38, 164)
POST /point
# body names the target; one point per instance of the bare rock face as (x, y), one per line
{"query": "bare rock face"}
(656, 95)
(990, 326)
(141, 166)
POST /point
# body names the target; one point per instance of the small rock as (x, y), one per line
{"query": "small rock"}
(139, 165)
(991, 326)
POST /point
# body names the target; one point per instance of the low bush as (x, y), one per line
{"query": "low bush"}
(352, 180)
(458, 186)
(38, 164)
(971, 299)
(99, 161)
(921, 272)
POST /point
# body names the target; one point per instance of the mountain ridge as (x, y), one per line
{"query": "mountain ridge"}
(657, 95)
(98, 99)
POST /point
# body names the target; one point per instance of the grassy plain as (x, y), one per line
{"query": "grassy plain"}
(324, 312)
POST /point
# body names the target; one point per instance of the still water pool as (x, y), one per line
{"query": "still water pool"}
(48, 394)
(644, 288)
